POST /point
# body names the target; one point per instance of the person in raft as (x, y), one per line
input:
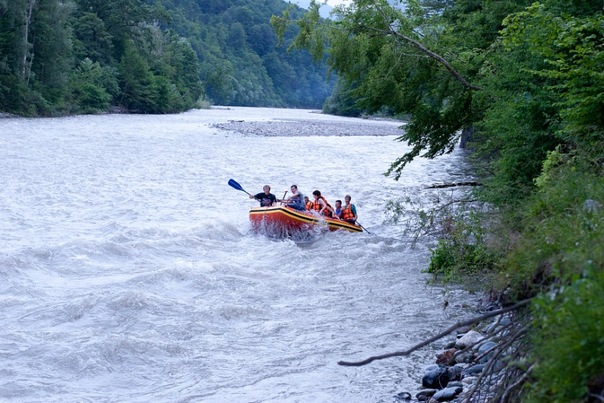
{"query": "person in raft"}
(266, 198)
(337, 211)
(307, 203)
(296, 200)
(349, 211)
(321, 205)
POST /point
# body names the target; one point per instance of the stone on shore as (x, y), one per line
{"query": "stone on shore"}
(468, 339)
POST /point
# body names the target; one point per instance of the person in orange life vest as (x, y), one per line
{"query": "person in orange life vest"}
(349, 211)
(308, 203)
(321, 205)
(338, 209)
(296, 200)
(266, 198)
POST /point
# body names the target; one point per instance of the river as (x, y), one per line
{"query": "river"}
(129, 271)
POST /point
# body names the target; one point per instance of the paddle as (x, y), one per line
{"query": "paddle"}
(359, 224)
(235, 185)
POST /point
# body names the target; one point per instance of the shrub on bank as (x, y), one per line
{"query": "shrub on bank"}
(553, 252)
(568, 340)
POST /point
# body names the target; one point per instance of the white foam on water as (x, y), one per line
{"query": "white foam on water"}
(130, 273)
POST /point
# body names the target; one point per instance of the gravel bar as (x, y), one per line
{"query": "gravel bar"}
(293, 127)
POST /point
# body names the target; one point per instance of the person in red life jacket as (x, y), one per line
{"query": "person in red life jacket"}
(308, 203)
(337, 211)
(349, 211)
(266, 198)
(321, 205)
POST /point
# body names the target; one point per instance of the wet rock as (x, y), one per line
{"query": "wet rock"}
(403, 396)
(447, 357)
(463, 329)
(473, 370)
(437, 378)
(484, 348)
(465, 357)
(455, 372)
(498, 324)
(425, 395)
(447, 394)
(468, 380)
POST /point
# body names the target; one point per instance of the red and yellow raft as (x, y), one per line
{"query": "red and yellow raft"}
(285, 220)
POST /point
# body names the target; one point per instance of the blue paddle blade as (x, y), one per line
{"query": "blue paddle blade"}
(237, 186)
(234, 184)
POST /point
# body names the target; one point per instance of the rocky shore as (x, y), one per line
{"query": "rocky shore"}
(472, 365)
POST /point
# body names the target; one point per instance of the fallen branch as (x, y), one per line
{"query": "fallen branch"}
(450, 185)
(437, 337)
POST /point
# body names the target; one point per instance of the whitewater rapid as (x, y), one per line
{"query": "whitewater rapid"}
(130, 273)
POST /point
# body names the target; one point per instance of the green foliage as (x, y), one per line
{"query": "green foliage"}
(562, 228)
(91, 87)
(419, 60)
(187, 54)
(137, 81)
(92, 40)
(569, 340)
(544, 86)
(461, 254)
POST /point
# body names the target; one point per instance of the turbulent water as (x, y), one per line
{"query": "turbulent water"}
(128, 270)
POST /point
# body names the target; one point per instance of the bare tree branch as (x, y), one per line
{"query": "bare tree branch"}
(436, 57)
(454, 184)
(392, 31)
(437, 337)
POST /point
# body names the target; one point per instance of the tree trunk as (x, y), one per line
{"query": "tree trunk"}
(28, 48)
(466, 135)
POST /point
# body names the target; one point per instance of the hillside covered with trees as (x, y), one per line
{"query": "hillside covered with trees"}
(522, 82)
(88, 56)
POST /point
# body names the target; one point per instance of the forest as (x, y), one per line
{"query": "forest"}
(521, 84)
(89, 56)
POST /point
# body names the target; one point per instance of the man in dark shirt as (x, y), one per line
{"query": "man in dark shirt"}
(266, 198)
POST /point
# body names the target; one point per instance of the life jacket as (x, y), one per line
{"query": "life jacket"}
(347, 213)
(317, 206)
(309, 205)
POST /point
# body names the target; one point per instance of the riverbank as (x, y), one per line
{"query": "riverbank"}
(473, 364)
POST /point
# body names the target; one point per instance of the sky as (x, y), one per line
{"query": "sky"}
(325, 9)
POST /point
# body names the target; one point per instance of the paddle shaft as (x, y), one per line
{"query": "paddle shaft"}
(359, 224)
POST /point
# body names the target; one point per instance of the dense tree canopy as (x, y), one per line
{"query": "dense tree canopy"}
(523, 78)
(146, 56)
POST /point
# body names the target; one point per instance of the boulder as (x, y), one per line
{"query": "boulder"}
(447, 357)
(447, 394)
(468, 339)
(436, 379)
(425, 395)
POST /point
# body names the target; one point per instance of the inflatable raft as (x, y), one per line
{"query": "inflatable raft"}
(286, 220)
